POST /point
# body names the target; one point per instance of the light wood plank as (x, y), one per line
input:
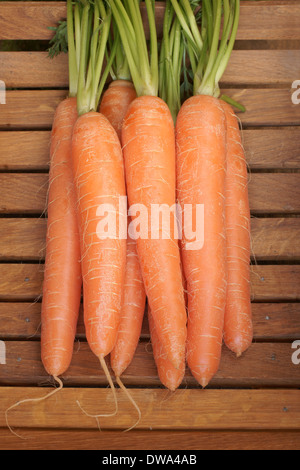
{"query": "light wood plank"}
(246, 68)
(264, 148)
(34, 19)
(210, 409)
(279, 283)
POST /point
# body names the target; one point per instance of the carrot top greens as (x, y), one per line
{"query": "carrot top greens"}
(142, 60)
(210, 45)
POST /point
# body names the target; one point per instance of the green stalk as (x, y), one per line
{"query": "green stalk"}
(73, 72)
(95, 29)
(143, 66)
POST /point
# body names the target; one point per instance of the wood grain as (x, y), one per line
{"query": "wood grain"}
(263, 365)
(265, 149)
(34, 109)
(33, 20)
(246, 68)
(273, 239)
(275, 322)
(212, 409)
(23, 282)
(145, 440)
(269, 193)
(24, 150)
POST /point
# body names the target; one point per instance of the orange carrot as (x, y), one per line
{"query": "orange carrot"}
(148, 140)
(201, 164)
(238, 330)
(149, 151)
(114, 105)
(115, 102)
(62, 278)
(169, 376)
(99, 179)
(132, 313)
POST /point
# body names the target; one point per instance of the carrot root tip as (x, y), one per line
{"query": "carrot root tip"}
(125, 390)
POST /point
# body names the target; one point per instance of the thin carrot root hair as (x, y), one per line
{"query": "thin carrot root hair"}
(113, 389)
(129, 396)
(31, 400)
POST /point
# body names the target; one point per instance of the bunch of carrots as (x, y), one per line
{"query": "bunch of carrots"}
(147, 137)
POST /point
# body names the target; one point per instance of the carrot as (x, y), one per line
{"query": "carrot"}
(62, 274)
(148, 140)
(202, 150)
(238, 329)
(115, 102)
(99, 180)
(169, 376)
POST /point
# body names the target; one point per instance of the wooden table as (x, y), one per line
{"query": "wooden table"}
(253, 402)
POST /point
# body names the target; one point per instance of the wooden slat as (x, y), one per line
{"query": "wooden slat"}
(145, 440)
(268, 192)
(263, 365)
(272, 148)
(271, 322)
(265, 149)
(34, 18)
(246, 68)
(23, 282)
(34, 109)
(211, 409)
(24, 150)
(34, 70)
(23, 192)
(273, 239)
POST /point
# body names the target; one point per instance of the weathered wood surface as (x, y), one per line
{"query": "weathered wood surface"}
(269, 404)
(34, 19)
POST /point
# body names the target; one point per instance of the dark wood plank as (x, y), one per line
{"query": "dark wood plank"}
(269, 193)
(271, 322)
(34, 18)
(149, 440)
(263, 365)
(211, 409)
(246, 68)
(265, 149)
